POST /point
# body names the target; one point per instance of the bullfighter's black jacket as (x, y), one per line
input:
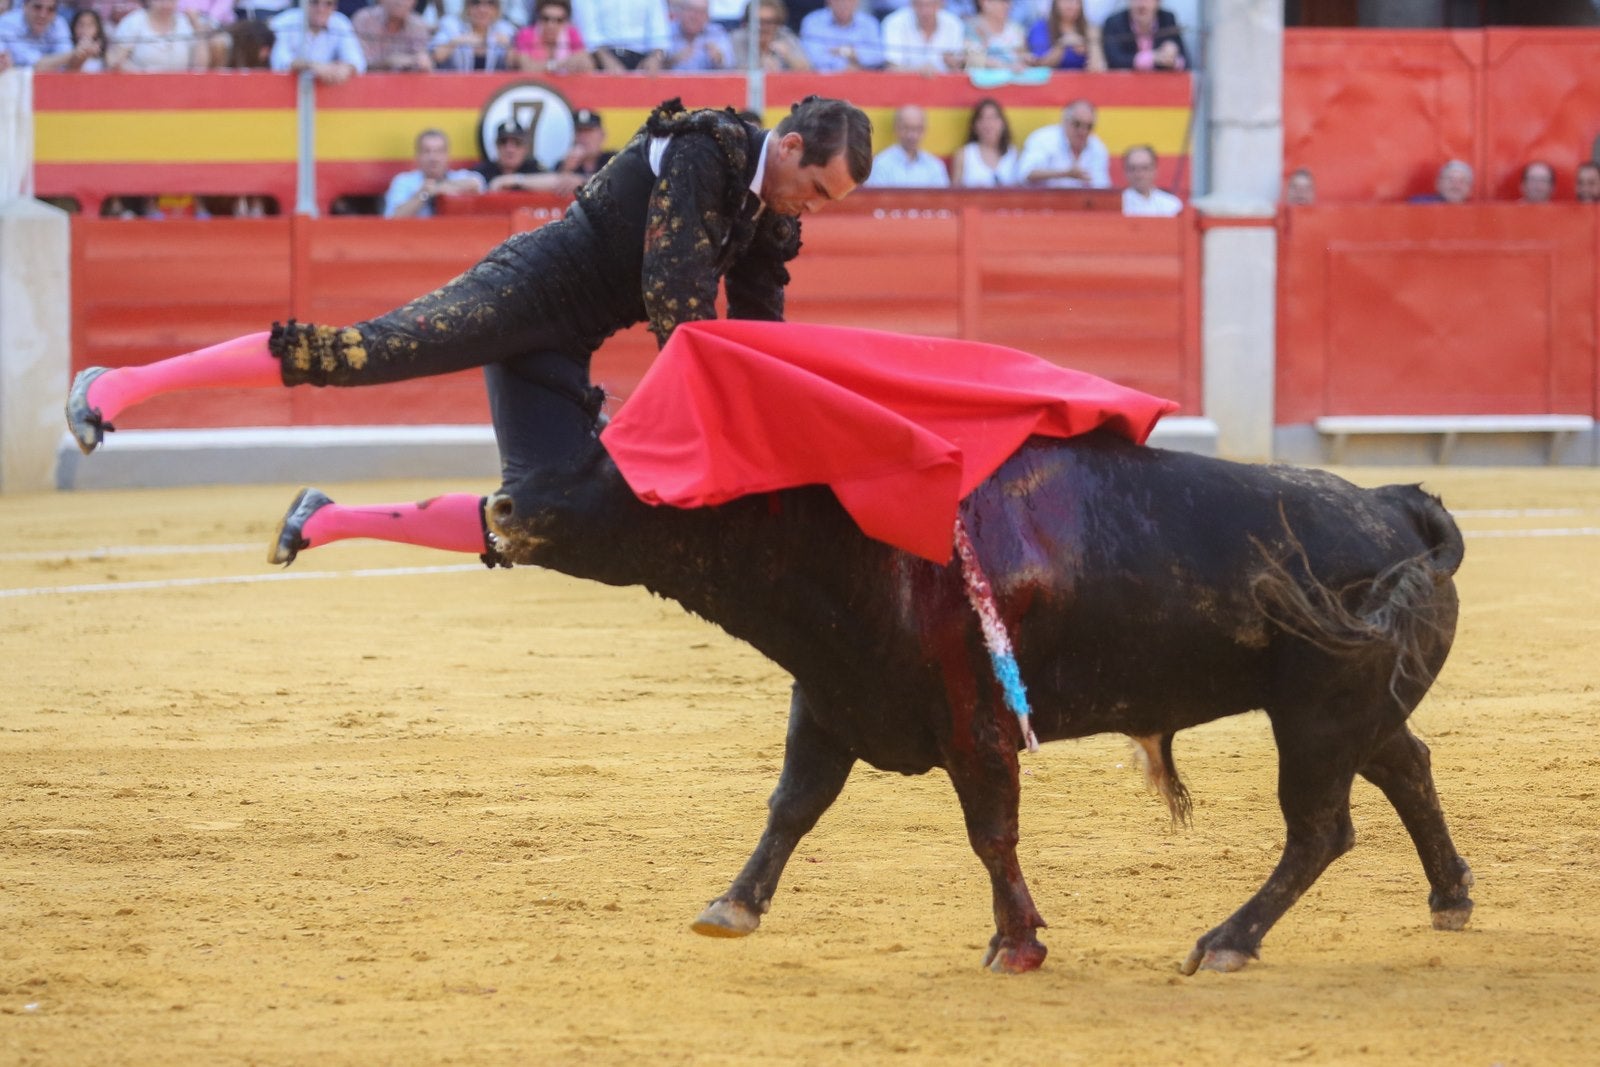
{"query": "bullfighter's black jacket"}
(635, 247)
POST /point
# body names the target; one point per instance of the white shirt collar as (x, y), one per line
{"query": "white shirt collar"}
(761, 168)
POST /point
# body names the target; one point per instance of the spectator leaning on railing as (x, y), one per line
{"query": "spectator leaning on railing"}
(923, 36)
(993, 40)
(34, 34)
(697, 44)
(318, 39)
(1065, 39)
(552, 43)
(483, 40)
(1143, 37)
(1067, 155)
(159, 39)
(88, 42)
(906, 164)
(393, 36)
(514, 167)
(988, 159)
(625, 34)
(776, 44)
(842, 37)
(412, 192)
(1141, 197)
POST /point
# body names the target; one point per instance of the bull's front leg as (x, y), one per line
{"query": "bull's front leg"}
(983, 768)
(814, 772)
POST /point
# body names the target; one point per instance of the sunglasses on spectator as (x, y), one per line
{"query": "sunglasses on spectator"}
(41, 7)
(1079, 124)
(552, 18)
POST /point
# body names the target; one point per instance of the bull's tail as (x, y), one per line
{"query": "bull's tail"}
(1404, 608)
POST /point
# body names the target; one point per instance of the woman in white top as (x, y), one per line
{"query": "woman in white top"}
(88, 31)
(988, 159)
(157, 39)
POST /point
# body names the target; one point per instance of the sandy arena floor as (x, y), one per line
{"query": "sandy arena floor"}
(455, 816)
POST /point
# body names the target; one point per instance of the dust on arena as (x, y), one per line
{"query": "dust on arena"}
(379, 810)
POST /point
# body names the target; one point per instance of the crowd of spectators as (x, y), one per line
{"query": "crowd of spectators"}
(336, 39)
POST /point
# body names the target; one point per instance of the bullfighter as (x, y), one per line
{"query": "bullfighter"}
(695, 197)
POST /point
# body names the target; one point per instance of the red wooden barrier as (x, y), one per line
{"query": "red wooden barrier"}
(1428, 310)
(1095, 291)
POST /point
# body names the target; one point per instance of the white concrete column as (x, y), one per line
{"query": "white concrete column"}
(35, 342)
(1243, 76)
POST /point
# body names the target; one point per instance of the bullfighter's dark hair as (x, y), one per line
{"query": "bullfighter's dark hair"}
(828, 128)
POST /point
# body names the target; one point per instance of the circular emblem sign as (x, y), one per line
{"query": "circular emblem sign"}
(535, 107)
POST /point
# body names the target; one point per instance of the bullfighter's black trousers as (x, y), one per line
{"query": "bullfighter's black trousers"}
(530, 314)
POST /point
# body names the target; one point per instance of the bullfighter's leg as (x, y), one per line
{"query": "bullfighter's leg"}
(1402, 768)
(543, 411)
(101, 394)
(523, 297)
(814, 772)
(454, 523)
(984, 773)
(1314, 779)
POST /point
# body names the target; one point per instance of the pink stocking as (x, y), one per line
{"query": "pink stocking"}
(240, 363)
(453, 522)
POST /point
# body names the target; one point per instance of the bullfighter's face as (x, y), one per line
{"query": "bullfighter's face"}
(791, 189)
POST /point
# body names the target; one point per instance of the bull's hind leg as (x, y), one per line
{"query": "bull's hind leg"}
(814, 773)
(1314, 793)
(1402, 769)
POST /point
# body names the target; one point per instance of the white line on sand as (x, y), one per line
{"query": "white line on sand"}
(237, 579)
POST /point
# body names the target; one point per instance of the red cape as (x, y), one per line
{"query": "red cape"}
(902, 428)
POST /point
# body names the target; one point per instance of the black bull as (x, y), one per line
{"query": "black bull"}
(1145, 591)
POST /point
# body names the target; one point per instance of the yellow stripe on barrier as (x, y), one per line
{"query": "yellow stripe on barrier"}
(346, 135)
(200, 136)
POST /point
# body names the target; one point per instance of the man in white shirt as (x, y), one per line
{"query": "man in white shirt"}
(1141, 197)
(411, 192)
(1067, 155)
(924, 36)
(625, 34)
(319, 39)
(904, 164)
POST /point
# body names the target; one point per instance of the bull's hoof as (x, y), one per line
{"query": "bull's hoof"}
(726, 918)
(1006, 956)
(1222, 960)
(1453, 918)
(1452, 907)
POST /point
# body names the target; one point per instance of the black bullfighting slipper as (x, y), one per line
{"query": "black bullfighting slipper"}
(84, 422)
(291, 539)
